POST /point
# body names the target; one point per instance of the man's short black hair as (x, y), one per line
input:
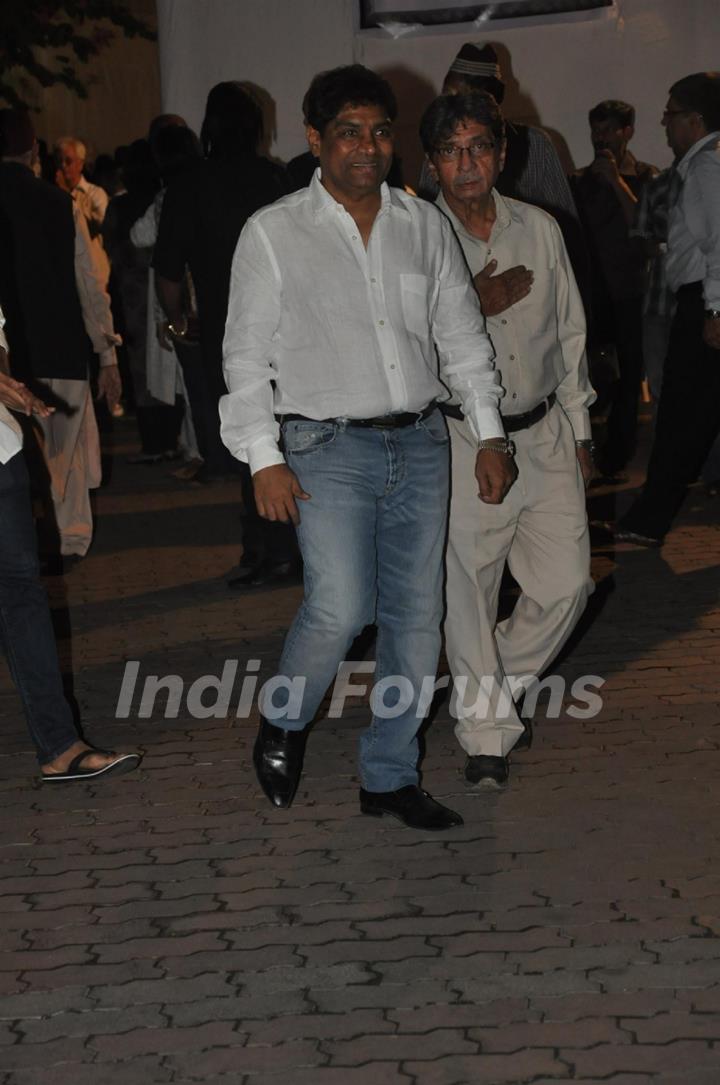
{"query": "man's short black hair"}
(233, 122)
(613, 110)
(442, 117)
(351, 85)
(700, 93)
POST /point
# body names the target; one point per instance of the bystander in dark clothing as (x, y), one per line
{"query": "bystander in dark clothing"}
(607, 193)
(688, 417)
(203, 213)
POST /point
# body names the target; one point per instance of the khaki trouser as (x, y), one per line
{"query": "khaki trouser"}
(540, 529)
(71, 449)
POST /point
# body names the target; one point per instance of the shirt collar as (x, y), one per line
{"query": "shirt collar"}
(322, 203)
(684, 163)
(503, 216)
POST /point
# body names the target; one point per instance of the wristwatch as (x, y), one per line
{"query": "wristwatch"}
(712, 314)
(497, 444)
(586, 442)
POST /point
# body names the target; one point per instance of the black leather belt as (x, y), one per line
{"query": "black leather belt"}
(511, 422)
(383, 421)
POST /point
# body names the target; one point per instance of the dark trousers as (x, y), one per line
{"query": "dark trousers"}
(27, 632)
(264, 540)
(622, 421)
(204, 391)
(688, 419)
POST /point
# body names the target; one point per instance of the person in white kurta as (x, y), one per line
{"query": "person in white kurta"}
(536, 324)
(71, 442)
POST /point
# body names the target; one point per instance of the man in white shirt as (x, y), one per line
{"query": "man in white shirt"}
(70, 155)
(340, 296)
(540, 529)
(688, 416)
(91, 200)
(27, 629)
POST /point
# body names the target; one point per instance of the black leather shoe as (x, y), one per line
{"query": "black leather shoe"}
(526, 738)
(264, 575)
(487, 771)
(278, 760)
(411, 805)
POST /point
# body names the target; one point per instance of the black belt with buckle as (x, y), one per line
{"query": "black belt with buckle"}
(383, 421)
(512, 422)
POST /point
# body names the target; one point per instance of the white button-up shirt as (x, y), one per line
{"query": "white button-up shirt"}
(10, 432)
(540, 340)
(348, 332)
(694, 221)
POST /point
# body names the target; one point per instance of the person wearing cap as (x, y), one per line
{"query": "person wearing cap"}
(688, 414)
(533, 172)
(58, 314)
(540, 529)
(28, 638)
(343, 297)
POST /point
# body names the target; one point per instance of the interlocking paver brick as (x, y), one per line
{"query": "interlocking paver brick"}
(488, 1069)
(125, 1073)
(568, 931)
(322, 1026)
(90, 1023)
(251, 1060)
(583, 1034)
(148, 1040)
(161, 990)
(604, 1059)
(436, 1044)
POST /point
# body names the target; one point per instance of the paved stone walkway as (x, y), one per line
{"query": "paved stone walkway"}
(171, 927)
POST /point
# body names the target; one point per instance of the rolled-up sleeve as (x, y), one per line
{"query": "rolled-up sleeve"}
(247, 422)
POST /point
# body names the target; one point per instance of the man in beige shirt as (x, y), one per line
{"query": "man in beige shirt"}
(536, 323)
(90, 200)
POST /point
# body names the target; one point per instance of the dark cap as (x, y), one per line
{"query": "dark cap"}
(477, 61)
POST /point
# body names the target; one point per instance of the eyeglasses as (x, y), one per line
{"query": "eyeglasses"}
(451, 152)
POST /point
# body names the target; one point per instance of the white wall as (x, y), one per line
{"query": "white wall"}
(554, 73)
(279, 45)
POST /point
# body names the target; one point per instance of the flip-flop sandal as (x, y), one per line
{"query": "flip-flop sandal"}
(124, 762)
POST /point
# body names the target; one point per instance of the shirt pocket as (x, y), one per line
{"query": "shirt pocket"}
(417, 293)
(538, 310)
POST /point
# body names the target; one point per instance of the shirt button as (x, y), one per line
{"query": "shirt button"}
(381, 322)
(354, 237)
(373, 280)
(392, 366)
(503, 321)
(514, 395)
(512, 357)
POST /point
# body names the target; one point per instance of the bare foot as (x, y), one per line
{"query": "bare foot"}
(93, 760)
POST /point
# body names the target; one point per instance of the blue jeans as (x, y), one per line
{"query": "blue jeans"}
(25, 625)
(372, 537)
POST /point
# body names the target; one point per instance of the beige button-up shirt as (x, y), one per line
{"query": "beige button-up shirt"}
(540, 341)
